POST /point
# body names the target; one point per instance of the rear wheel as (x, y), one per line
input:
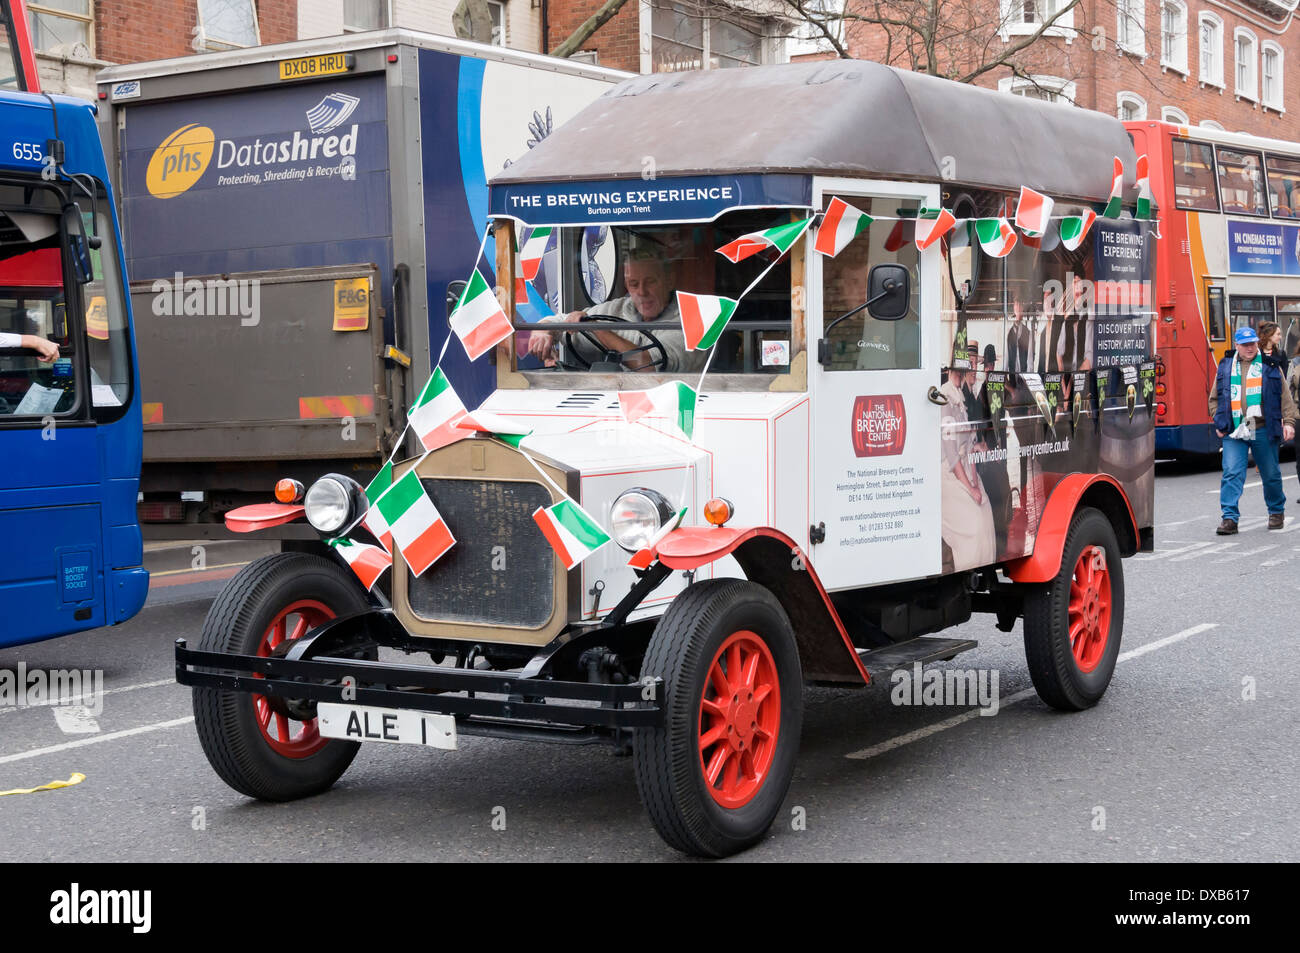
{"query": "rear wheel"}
(255, 744)
(1073, 624)
(714, 775)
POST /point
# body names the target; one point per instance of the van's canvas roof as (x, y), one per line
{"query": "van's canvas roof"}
(839, 117)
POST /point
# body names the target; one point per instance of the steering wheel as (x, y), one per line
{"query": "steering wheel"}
(574, 361)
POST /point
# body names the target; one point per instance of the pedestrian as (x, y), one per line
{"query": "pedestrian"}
(1294, 382)
(1253, 411)
(1270, 346)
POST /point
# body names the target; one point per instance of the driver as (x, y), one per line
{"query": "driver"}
(48, 350)
(650, 297)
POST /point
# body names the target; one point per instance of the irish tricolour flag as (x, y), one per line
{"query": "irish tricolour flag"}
(704, 317)
(840, 225)
(530, 258)
(673, 400)
(418, 529)
(1116, 190)
(1074, 229)
(1144, 189)
(930, 227)
(368, 562)
(781, 238)
(478, 319)
(1033, 212)
(437, 413)
(571, 531)
(996, 236)
(642, 558)
(373, 520)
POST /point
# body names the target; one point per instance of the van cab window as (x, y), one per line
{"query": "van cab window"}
(862, 342)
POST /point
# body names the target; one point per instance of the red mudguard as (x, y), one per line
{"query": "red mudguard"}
(1044, 562)
(249, 519)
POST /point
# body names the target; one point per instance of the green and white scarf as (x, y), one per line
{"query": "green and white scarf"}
(1251, 404)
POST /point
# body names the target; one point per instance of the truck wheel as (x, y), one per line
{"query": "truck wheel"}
(712, 777)
(255, 749)
(1073, 624)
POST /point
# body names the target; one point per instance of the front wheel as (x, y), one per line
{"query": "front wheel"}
(257, 746)
(1073, 624)
(714, 775)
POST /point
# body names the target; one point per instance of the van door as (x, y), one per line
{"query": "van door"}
(876, 478)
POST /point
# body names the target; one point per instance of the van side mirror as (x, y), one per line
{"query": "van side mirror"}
(889, 292)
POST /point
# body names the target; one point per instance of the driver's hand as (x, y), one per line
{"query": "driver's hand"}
(540, 344)
(48, 350)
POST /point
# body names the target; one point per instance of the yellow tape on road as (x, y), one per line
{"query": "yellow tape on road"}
(77, 778)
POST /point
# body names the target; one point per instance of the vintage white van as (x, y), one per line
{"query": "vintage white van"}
(876, 444)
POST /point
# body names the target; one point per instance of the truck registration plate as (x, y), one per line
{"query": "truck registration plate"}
(307, 67)
(393, 725)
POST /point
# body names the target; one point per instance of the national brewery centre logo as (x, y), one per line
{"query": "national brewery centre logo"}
(183, 158)
(879, 425)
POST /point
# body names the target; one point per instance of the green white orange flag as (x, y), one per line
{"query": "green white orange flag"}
(571, 531)
(1144, 189)
(1116, 191)
(373, 520)
(996, 236)
(368, 562)
(1033, 211)
(511, 431)
(642, 558)
(930, 230)
(1075, 228)
(478, 319)
(781, 238)
(437, 413)
(674, 400)
(530, 258)
(703, 318)
(840, 225)
(419, 531)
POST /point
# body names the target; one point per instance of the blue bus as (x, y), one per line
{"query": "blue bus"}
(70, 424)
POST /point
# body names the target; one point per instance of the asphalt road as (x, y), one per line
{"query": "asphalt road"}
(1191, 756)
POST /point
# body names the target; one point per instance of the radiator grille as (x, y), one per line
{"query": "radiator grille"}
(464, 586)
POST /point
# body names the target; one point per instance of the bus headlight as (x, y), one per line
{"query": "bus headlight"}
(328, 505)
(636, 516)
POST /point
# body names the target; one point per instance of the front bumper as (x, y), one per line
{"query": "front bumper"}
(500, 704)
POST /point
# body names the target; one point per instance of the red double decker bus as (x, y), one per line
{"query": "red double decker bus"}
(1229, 211)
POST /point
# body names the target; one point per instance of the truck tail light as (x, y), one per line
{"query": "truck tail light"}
(1161, 408)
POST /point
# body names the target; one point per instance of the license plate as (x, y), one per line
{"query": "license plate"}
(307, 67)
(393, 725)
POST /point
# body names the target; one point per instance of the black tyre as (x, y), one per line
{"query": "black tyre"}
(256, 750)
(1073, 624)
(714, 775)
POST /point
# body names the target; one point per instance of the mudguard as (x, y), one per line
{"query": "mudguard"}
(249, 519)
(1098, 490)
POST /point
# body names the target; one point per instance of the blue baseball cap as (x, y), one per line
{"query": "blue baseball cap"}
(1245, 336)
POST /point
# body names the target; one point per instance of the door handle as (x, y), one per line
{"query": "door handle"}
(936, 396)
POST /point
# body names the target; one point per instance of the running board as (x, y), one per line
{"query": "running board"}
(924, 649)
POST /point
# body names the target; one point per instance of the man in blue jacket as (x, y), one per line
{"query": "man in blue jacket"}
(1252, 411)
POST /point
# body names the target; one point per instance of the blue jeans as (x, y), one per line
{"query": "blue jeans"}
(1234, 474)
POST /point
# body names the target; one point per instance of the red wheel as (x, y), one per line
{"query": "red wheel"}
(252, 741)
(1073, 624)
(713, 776)
(740, 719)
(1089, 608)
(285, 735)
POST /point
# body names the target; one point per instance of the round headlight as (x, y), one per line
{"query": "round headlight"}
(636, 516)
(327, 505)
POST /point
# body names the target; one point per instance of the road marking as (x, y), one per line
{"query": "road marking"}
(1009, 700)
(111, 736)
(1166, 553)
(75, 720)
(175, 572)
(1248, 552)
(191, 576)
(1280, 560)
(110, 691)
(1259, 483)
(1207, 550)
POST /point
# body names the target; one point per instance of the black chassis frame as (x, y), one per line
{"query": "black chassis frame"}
(528, 704)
